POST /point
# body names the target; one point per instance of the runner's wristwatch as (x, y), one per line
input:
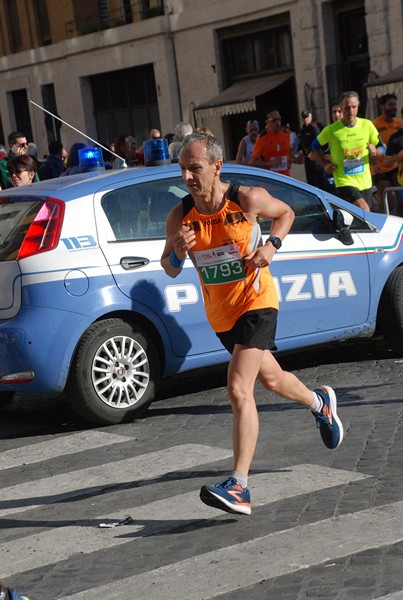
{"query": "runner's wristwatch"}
(275, 241)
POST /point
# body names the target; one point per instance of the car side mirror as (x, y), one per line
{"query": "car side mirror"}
(341, 222)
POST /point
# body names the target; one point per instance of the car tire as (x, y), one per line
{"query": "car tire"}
(391, 310)
(114, 373)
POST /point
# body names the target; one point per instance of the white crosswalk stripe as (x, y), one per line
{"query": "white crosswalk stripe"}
(264, 557)
(61, 543)
(62, 446)
(78, 483)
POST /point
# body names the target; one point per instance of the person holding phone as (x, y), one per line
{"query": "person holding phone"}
(18, 145)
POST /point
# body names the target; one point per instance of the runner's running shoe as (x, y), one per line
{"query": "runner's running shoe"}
(10, 594)
(329, 424)
(227, 495)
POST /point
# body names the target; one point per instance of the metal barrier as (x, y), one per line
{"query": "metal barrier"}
(398, 188)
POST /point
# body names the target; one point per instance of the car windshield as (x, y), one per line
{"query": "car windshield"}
(16, 215)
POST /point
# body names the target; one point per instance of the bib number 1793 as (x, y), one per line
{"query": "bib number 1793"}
(223, 272)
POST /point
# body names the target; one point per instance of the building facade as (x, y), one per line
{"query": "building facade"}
(108, 67)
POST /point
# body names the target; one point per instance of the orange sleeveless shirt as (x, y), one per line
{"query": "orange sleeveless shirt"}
(222, 240)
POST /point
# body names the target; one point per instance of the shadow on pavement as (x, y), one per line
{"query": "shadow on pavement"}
(336, 353)
(23, 416)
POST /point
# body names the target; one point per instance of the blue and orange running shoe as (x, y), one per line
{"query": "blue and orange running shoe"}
(329, 424)
(9, 594)
(227, 495)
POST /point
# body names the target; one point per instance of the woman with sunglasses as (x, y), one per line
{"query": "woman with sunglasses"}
(18, 145)
(21, 170)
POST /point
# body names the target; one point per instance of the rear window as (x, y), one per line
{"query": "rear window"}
(16, 216)
(139, 211)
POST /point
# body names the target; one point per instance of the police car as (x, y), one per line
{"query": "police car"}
(86, 309)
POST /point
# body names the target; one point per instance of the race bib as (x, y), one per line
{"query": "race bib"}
(220, 265)
(281, 163)
(353, 166)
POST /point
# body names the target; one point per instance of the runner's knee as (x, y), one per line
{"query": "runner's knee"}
(361, 203)
(239, 393)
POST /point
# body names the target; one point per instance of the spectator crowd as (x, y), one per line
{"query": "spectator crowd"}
(356, 159)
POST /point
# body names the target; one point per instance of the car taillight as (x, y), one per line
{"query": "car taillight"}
(44, 232)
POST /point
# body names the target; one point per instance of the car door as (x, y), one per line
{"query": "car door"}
(322, 284)
(131, 227)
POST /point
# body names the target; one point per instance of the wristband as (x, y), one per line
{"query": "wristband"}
(175, 262)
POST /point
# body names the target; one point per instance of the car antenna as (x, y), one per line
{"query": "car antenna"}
(124, 165)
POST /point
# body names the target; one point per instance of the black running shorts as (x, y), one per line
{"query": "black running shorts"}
(351, 194)
(255, 328)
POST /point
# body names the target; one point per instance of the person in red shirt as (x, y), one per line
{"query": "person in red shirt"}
(272, 149)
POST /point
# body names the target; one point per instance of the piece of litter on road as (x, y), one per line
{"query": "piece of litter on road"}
(123, 521)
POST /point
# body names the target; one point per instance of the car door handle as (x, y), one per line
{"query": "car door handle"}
(133, 262)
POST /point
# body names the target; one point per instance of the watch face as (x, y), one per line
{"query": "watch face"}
(275, 241)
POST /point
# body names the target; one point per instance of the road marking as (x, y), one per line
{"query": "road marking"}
(24, 496)
(395, 596)
(69, 444)
(60, 543)
(299, 479)
(250, 562)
